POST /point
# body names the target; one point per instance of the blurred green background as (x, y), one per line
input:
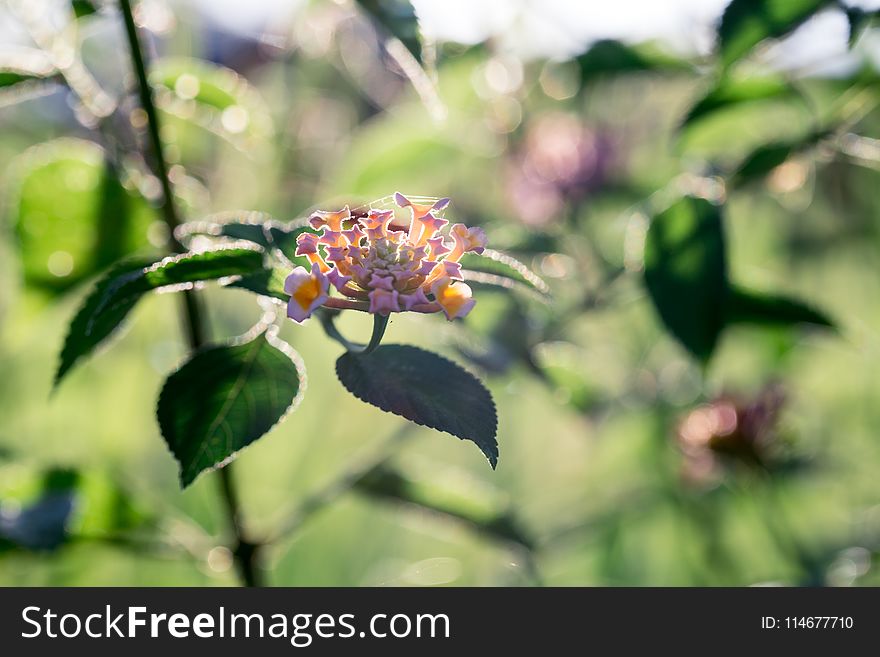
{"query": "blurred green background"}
(561, 157)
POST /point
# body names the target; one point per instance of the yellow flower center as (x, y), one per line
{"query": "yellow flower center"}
(307, 293)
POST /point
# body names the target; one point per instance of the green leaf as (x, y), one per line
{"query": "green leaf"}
(120, 290)
(729, 93)
(764, 159)
(859, 20)
(83, 8)
(72, 216)
(226, 397)
(750, 307)
(746, 23)
(9, 78)
(198, 266)
(501, 264)
(424, 388)
(182, 269)
(213, 97)
(267, 282)
(397, 18)
(284, 239)
(685, 272)
(23, 64)
(90, 327)
(609, 57)
(104, 508)
(271, 235)
(257, 227)
(761, 161)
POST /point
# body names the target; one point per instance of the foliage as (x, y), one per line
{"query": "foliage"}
(667, 255)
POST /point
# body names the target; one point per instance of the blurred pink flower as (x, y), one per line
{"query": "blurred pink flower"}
(560, 160)
(728, 430)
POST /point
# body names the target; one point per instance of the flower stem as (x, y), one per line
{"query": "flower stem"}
(380, 323)
(244, 550)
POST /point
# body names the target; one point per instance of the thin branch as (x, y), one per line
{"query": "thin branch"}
(244, 550)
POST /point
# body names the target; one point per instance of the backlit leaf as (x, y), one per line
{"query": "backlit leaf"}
(226, 397)
(608, 57)
(746, 23)
(424, 388)
(213, 97)
(72, 216)
(751, 307)
(120, 290)
(731, 93)
(685, 272)
(501, 264)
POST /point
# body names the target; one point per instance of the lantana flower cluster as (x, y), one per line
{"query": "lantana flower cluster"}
(380, 267)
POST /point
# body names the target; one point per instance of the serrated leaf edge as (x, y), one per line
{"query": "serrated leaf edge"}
(270, 334)
(422, 424)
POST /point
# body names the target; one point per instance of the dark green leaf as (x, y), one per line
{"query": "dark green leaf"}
(424, 388)
(746, 23)
(90, 327)
(685, 272)
(764, 159)
(268, 282)
(9, 78)
(731, 93)
(183, 269)
(72, 216)
(501, 264)
(271, 234)
(251, 232)
(859, 20)
(23, 64)
(256, 227)
(397, 18)
(284, 239)
(761, 161)
(83, 8)
(751, 307)
(608, 57)
(224, 398)
(199, 266)
(118, 292)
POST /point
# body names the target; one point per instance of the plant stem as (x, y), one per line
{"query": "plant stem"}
(169, 209)
(380, 323)
(244, 550)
